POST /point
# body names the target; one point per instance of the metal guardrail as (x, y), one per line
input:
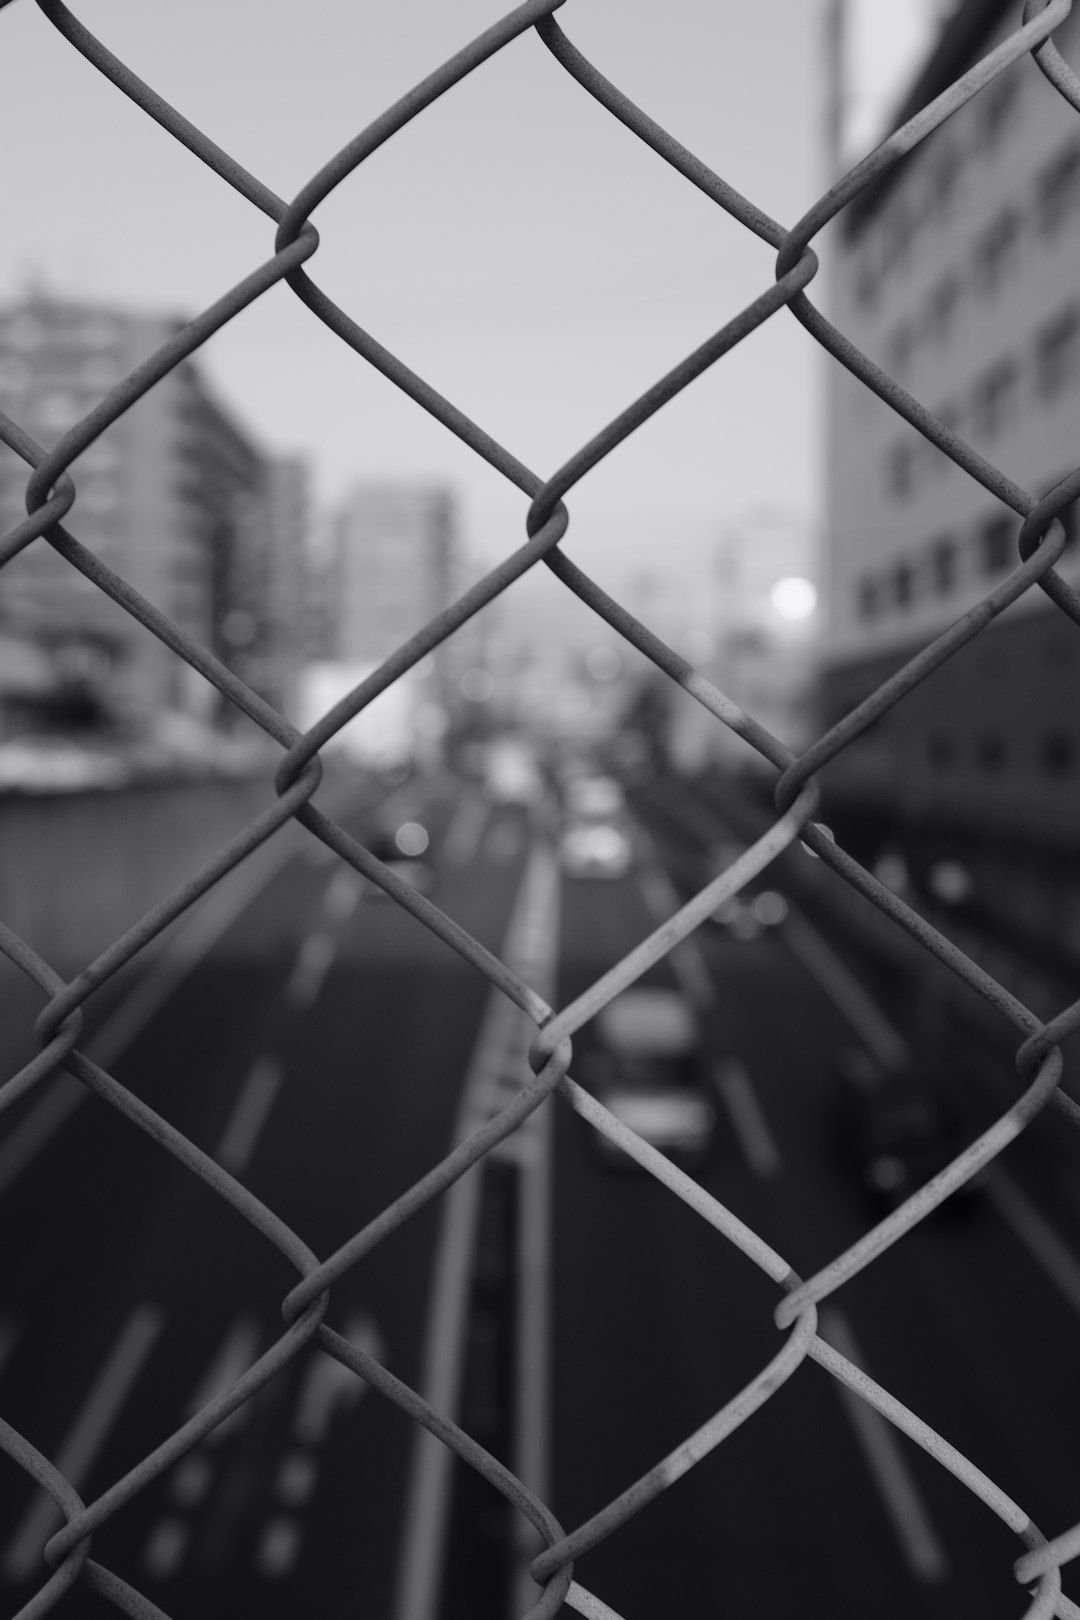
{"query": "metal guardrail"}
(50, 497)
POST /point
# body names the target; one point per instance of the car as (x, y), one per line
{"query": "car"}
(593, 796)
(895, 1129)
(595, 849)
(750, 913)
(402, 849)
(749, 916)
(647, 1068)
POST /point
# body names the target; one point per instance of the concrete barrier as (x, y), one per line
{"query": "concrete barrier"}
(78, 869)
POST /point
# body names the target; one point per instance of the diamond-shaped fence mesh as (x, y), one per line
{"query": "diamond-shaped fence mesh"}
(52, 521)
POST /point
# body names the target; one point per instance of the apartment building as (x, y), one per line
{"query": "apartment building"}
(958, 274)
(175, 497)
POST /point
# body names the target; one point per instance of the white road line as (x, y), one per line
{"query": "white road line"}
(84, 1440)
(843, 989)
(296, 1478)
(466, 827)
(880, 1445)
(748, 1118)
(191, 1479)
(686, 958)
(342, 894)
(252, 1109)
(310, 969)
(503, 842)
(236, 1354)
(329, 1386)
(1035, 1233)
(427, 1502)
(195, 936)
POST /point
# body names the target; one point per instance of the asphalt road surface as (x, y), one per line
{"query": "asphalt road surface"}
(322, 1046)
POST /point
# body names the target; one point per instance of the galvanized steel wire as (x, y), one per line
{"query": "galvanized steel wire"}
(51, 503)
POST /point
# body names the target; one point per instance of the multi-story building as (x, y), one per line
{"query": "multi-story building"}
(174, 496)
(392, 567)
(957, 272)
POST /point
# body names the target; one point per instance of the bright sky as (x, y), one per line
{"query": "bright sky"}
(515, 245)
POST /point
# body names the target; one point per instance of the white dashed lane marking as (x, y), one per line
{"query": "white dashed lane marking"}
(245, 1123)
(748, 1119)
(310, 969)
(80, 1448)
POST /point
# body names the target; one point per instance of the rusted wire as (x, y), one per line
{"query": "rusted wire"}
(52, 504)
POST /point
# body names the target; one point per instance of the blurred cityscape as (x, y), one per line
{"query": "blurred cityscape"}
(180, 501)
(806, 1060)
(967, 790)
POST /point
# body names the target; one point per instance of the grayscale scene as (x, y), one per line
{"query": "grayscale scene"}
(540, 809)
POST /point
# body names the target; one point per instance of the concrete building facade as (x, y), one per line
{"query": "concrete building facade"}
(957, 273)
(175, 497)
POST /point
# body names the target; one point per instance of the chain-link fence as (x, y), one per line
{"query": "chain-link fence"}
(51, 497)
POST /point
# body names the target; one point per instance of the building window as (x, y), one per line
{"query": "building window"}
(997, 541)
(1057, 353)
(866, 280)
(997, 251)
(1057, 190)
(903, 584)
(995, 397)
(897, 231)
(900, 469)
(999, 103)
(950, 417)
(1057, 754)
(943, 558)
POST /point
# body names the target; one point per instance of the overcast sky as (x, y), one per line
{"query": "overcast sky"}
(515, 245)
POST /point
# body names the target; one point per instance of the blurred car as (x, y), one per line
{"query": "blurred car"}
(894, 1129)
(593, 796)
(595, 849)
(53, 764)
(402, 849)
(648, 1069)
(511, 772)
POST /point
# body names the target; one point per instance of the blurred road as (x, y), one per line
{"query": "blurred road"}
(973, 1321)
(598, 1323)
(293, 1052)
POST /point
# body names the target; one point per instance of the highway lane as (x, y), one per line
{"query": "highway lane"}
(658, 1322)
(318, 1050)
